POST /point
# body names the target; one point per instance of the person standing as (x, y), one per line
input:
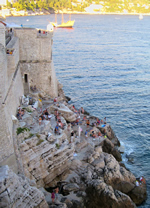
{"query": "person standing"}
(56, 193)
(53, 196)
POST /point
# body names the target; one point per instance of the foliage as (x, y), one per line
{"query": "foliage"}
(140, 6)
(39, 142)
(21, 130)
(38, 136)
(57, 146)
(30, 135)
(28, 110)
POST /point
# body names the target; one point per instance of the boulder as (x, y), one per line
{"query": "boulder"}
(70, 187)
(99, 194)
(124, 186)
(109, 147)
(138, 194)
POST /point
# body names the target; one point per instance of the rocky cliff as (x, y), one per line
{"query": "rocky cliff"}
(86, 168)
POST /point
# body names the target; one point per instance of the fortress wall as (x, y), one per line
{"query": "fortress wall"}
(13, 99)
(3, 73)
(7, 110)
(41, 74)
(10, 91)
(12, 59)
(6, 147)
(34, 46)
(6, 128)
(2, 34)
(36, 59)
(36, 62)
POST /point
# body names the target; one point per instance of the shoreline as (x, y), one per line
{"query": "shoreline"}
(83, 13)
(88, 156)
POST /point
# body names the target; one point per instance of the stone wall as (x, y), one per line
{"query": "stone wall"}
(2, 34)
(11, 88)
(36, 59)
(12, 59)
(8, 108)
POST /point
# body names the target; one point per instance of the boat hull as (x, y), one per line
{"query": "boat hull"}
(68, 24)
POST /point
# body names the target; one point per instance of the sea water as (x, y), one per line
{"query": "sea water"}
(104, 66)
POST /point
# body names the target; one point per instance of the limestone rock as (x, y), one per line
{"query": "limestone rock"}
(69, 115)
(138, 194)
(44, 159)
(15, 191)
(105, 197)
(70, 187)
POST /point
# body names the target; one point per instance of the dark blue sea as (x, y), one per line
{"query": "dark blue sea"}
(104, 66)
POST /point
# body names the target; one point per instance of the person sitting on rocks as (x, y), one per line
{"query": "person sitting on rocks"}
(94, 135)
(19, 115)
(42, 116)
(82, 110)
(60, 124)
(99, 134)
(56, 114)
(142, 180)
(77, 121)
(86, 134)
(58, 117)
(40, 120)
(49, 117)
(74, 109)
(72, 136)
(98, 122)
(84, 120)
(22, 112)
(56, 129)
(55, 100)
(46, 113)
(87, 123)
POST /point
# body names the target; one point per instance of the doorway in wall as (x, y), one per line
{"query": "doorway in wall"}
(26, 84)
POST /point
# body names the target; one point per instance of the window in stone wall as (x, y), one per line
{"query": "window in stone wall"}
(26, 78)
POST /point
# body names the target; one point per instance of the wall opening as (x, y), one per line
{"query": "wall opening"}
(26, 78)
(26, 84)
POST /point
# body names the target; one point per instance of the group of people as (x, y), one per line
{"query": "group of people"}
(9, 51)
(45, 116)
(33, 88)
(20, 113)
(60, 124)
(54, 195)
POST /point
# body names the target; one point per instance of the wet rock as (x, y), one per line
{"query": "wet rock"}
(124, 186)
(138, 194)
(108, 147)
(67, 98)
